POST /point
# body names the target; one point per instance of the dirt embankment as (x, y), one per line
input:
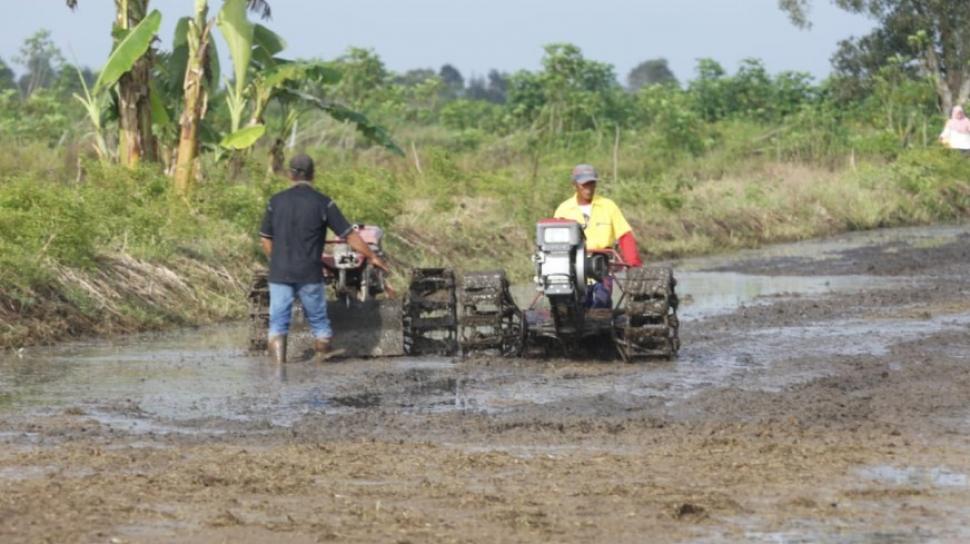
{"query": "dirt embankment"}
(833, 418)
(120, 294)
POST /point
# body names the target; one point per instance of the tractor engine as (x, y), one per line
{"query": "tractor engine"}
(348, 271)
(562, 263)
(344, 256)
(562, 269)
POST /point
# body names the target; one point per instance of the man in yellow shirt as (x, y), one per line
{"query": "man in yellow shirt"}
(604, 226)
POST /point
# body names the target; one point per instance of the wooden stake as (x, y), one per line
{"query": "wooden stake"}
(417, 159)
(616, 154)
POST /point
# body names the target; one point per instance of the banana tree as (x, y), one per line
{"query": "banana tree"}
(199, 80)
(261, 77)
(135, 139)
(281, 83)
(129, 72)
(94, 108)
(239, 34)
(339, 112)
(168, 84)
(195, 95)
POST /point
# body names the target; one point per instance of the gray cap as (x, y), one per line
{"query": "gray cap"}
(584, 173)
(302, 165)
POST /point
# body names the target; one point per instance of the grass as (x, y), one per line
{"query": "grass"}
(115, 253)
(100, 249)
(479, 208)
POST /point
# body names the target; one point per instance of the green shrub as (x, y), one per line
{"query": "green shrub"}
(48, 219)
(938, 181)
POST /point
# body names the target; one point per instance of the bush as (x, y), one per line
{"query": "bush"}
(45, 116)
(47, 220)
(938, 181)
(669, 112)
(472, 114)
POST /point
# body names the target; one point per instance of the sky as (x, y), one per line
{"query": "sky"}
(476, 36)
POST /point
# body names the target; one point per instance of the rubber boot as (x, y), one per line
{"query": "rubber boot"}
(321, 347)
(277, 348)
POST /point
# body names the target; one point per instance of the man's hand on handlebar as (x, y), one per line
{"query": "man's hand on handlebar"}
(379, 263)
(361, 247)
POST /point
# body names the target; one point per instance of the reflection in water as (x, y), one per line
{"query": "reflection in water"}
(914, 476)
(125, 387)
(709, 293)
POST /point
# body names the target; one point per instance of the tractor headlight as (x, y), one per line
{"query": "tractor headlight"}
(556, 236)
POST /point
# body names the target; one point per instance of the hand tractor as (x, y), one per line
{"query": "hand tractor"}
(642, 322)
(477, 314)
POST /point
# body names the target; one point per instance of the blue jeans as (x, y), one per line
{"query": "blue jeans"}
(314, 301)
(600, 294)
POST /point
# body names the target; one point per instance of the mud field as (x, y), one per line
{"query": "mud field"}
(822, 395)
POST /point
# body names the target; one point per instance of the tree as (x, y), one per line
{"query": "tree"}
(130, 49)
(260, 77)
(710, 89)
(194, 68)
(7, 80)
(68, 81)
(858, 61)
(493, 89)
(750, 93)
(650, 72)
(415, 76)
(453, 80)
(465, 114)
(195, 88)
(134, 89)
(937, 29)
(136, 142)
(248, 44)
(41, 59)
(570, 93)
(672, 116)
(363, 76)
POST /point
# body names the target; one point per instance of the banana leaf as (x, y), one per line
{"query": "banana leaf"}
(160, 115)
(244, 137)
(323, 73)
(266, 44)
(370, 130)
(278, 75)
(129, 50)
(212, 71)
(238, 33)
(299, 72)
(179, 58)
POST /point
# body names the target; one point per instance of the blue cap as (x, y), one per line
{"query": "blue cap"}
(584, 173)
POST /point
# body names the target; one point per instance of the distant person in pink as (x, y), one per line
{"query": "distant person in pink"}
(956, 133)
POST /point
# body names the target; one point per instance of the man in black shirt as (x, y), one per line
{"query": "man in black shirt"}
(293, 232)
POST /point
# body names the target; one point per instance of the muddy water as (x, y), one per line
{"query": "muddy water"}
(142, 381)
(819, 396)
(153, 382)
